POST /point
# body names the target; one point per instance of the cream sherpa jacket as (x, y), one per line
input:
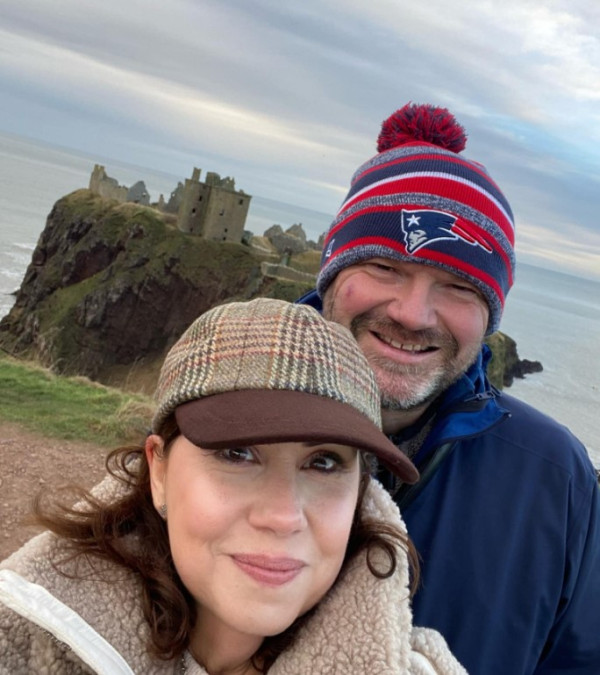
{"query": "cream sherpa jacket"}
(52, 624)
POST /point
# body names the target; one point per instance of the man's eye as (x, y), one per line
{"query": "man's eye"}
(236, 455)
(465, 289)
(380, 268)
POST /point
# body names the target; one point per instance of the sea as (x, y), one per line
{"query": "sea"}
(553, 317)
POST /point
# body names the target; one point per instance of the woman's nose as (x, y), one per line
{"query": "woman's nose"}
(278, 506)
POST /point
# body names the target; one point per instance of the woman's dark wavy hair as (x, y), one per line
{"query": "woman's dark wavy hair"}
(96, 529)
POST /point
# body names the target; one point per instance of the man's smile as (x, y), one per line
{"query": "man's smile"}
(404, 346)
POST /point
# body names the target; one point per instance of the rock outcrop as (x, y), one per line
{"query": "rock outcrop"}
(285, 242)
(505, 364)
(112, 285)
(291, 242)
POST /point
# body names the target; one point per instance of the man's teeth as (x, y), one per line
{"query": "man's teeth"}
(406, 346)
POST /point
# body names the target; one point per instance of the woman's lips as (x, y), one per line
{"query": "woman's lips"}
(272, 571)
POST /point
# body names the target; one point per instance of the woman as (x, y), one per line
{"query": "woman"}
(246, 536)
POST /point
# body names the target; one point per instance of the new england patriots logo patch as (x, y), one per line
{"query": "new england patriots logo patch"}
(424, 227)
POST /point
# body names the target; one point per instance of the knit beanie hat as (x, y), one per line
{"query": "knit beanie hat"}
(418, 201)
(269, 371)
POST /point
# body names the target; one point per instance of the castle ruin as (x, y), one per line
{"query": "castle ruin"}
(105, 186)
(213, 209)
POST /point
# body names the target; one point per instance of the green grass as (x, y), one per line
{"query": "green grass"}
(71, 408)
(308, 261)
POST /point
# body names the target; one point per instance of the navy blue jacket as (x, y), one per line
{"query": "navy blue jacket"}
(506, 519)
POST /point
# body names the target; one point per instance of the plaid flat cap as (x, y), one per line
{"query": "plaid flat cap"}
(268, 371)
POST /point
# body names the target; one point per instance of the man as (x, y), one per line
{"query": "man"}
(506, 515)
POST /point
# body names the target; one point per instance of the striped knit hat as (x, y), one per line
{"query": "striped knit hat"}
(418, 201)
(268, 371)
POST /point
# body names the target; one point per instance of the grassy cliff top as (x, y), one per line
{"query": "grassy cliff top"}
(71, 408)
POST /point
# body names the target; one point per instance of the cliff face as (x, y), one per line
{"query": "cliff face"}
(111, 286)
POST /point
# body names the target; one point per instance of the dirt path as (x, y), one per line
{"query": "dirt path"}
(29, 462)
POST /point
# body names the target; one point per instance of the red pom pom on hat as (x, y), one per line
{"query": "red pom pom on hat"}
(425, 123)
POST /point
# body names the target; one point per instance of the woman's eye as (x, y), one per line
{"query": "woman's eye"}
(326, 463)
(236, 455)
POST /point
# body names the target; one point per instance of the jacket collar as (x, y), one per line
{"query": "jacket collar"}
(467, 409)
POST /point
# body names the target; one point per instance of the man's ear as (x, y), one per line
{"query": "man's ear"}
(157, 463)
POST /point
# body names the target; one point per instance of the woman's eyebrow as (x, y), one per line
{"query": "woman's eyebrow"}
(316, 444)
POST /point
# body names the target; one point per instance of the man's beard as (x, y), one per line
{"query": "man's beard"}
(405, 386)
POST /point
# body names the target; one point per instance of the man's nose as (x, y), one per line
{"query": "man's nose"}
(412, 305)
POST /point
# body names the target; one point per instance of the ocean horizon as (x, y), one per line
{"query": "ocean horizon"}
(554, 317)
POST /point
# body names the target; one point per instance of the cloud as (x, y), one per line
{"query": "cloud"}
(573, 247)
(289, 98)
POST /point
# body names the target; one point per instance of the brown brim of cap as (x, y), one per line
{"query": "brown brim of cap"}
(253, 416)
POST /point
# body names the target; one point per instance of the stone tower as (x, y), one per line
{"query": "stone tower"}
(105, 186)
(213, 209)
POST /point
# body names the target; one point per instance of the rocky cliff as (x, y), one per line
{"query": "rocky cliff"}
(112, 285)
(506, 364)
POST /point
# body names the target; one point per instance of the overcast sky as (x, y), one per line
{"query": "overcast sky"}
(288, 97)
